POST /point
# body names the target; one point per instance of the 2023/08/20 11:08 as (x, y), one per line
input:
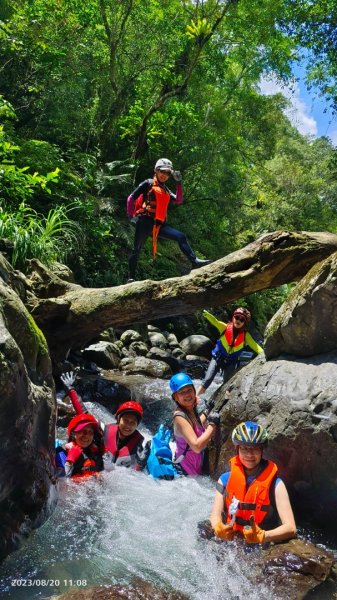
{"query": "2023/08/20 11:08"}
(48, 582)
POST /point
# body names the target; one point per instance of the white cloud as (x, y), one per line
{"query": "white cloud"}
(298, 112)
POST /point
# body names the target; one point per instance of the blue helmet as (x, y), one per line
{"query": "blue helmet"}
(178, 381)
(249, 434)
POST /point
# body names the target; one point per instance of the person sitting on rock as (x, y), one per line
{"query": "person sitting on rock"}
(85, 447)
(147, 207)
(229, 347)
(123, 442)
(252, 496)
(191, 434)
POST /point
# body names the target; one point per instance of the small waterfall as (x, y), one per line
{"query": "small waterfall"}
(123, 524)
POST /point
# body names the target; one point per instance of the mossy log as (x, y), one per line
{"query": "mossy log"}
(70, 316)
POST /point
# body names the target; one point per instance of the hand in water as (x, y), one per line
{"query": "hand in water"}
(224, 532)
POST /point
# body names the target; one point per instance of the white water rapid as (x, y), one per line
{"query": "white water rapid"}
(122, 524)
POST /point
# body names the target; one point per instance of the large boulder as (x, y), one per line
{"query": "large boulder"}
(295, 399)
(104, 354)
(306, 324)
(146, 366)
(27, 419)
(198, 345)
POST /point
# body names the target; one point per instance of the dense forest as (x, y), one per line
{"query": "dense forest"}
(93, 93)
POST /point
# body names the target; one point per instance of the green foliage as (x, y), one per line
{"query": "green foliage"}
(33, 236)
(94, 92)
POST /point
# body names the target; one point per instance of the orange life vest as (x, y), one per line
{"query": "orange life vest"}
(154, 204)
(252, 501)
(87, 465)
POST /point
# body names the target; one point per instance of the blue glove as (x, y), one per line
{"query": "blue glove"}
(133, 220)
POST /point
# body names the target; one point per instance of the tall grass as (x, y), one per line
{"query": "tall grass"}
(48, 238)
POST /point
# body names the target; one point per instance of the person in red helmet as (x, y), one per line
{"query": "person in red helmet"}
(85, 447)
(233, 338)
(123, 442)
(147, 207)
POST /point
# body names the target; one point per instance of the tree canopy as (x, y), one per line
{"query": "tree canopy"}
(93, 93)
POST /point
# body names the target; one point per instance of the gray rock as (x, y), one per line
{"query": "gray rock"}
(153, 329)
(129, 336)
(104, 354)
(159, 354)
(139, 348)
(154, 368)
(27, 420)
(306, 567)
(108, 335)
(158, 340)
(199, 345)
(178, 353)
(306, 324)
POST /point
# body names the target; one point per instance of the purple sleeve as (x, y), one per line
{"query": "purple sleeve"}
(130, 205)
(142, 188)
(178, 197)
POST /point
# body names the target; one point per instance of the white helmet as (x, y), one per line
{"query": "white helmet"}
(163, 164)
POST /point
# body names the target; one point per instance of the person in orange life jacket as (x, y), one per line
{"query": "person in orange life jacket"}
(147, 207)
(230, 345)
(191, 431)
(85, 447)
(254, 498)
(123, 442)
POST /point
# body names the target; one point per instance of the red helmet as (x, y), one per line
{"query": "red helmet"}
(80, 421)
(130, 406)
(242, 312)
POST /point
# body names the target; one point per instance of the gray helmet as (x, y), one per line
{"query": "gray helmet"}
(164, 164)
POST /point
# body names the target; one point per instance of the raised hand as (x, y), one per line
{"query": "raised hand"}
(252, 533)
(176, 176)
(68, 380)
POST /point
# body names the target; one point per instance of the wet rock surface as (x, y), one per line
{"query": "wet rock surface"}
(27, 420)
(140, 590)
(306, 324)
(296, 567)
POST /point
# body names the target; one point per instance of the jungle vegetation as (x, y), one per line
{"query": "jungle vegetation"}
(92, 93)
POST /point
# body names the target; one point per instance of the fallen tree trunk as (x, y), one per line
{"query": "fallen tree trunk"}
(70, 316)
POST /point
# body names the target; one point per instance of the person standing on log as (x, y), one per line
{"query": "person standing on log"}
(252, 496)
(233, 338)
(147, 207)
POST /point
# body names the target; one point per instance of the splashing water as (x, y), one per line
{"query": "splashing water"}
(122, 524)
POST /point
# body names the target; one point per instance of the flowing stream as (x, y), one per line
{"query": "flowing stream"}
(121, 525)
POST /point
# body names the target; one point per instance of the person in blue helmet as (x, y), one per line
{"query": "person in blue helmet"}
(252, 495)
(192, 431)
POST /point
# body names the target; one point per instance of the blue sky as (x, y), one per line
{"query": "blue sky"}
(308, 112)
